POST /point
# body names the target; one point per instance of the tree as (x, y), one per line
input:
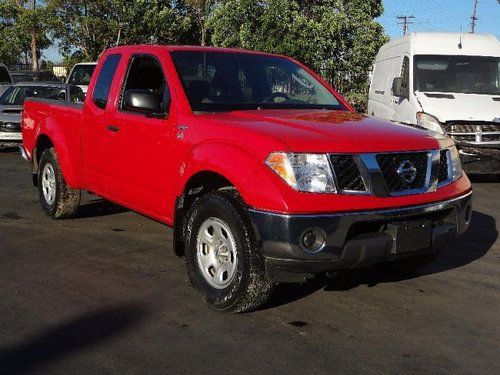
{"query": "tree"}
(23, 29)
(92, 26)
(338, 38)
(202, 11)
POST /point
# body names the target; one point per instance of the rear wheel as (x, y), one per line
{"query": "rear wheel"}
(57, 199)
(223, 262)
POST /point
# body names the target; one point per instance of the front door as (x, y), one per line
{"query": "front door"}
(142, 149)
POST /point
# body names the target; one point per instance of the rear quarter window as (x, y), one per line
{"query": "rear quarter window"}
(104, 80)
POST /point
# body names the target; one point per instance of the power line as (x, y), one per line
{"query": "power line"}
(474, 18)
(405, 21)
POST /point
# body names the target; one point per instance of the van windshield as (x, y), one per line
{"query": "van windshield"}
(457, 74)
(224, 81)
(81, 74)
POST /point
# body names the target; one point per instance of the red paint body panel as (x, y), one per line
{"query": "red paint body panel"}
(146, 165)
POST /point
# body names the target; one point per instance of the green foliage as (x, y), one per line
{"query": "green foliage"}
(334, 36)
(17, 23)
(338, 38)
(92, 26)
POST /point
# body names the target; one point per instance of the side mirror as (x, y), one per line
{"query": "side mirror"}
(142, 101)
(398, 89)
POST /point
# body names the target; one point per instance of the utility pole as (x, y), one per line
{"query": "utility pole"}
(473, 18)
(405, 21)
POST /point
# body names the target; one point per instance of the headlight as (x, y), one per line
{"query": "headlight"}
(456, 165)
(304, 172)
(429, 122)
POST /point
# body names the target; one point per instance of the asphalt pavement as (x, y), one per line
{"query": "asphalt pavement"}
(104, 294)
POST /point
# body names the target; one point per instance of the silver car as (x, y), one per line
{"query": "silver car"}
(12, 101)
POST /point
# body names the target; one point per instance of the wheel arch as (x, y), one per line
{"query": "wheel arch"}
(65, 157)
(198, 184)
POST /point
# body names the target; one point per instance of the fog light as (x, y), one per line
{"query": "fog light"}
(313, 240)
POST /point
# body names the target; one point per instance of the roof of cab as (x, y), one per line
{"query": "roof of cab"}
(445, 44)
(152, 47)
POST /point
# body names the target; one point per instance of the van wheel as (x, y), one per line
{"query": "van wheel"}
(222, 260)
(58, 200)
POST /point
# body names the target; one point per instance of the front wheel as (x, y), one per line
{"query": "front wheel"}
(223, 262)
(57, 199)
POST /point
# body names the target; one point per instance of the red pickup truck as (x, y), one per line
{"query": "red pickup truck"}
(265, 173)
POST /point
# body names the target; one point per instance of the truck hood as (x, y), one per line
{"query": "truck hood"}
(452, 106)
(334, 131)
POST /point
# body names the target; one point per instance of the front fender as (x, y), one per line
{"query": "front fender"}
(247, 171)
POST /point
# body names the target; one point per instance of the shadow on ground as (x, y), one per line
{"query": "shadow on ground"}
(473, 245)
(68, 337)
(482, 178)
(9, 149)
(98, 207)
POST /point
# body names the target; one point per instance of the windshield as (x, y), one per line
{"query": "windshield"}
(457, 74)
(220, 81)
(15, 95)
(81, 75)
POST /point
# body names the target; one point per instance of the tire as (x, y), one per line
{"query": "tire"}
(57, 199)
(219, 238)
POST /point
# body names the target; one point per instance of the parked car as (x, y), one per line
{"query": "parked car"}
(260, 186)
(26, 76)
(448, 83)
(12, 101)
(5, 78)
(80, 75)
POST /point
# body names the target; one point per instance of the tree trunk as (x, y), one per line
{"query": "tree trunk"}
(203, 35)
(34, 58)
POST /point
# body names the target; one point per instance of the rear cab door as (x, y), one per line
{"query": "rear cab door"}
(96, 134)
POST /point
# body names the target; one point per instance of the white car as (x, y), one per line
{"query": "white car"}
(445, 82)
(80, 75)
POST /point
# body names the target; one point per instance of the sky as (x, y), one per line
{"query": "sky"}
(441, 15)
(430, 15)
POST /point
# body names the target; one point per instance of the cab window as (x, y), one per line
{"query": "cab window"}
(103, 84)
(145, 73)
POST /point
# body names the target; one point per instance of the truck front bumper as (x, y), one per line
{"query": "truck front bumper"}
(355, 239)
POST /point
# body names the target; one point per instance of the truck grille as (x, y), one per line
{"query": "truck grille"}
(10, 127)
(443, 173)
(395, 174)
(390, 163)
(347, 173)
(474, 132)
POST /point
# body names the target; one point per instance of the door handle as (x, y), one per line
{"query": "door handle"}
(114, 129)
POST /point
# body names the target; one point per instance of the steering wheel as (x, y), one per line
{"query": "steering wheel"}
(275, 95)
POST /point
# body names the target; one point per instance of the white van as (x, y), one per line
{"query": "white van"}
(444, 82)
(80, 75)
